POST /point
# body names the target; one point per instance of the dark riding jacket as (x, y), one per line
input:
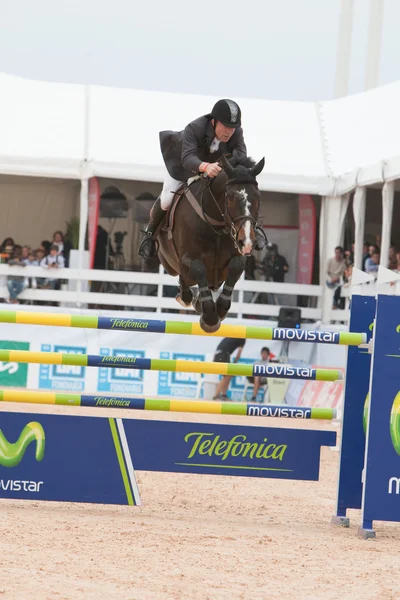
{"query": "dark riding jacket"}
(184, 151)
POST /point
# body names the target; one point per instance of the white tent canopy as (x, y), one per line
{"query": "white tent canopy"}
(75, 131)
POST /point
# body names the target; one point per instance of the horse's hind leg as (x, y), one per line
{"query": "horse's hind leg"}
(185, 296)
(209, 320)
(235, 269)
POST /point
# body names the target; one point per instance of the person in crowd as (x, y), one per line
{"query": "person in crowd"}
(371, 249)
(15, 283)
(54, 260)
(223, 354)
(365, 254)
(25, 253)
(392, 260)
(372, 264)
(46, 245)
(8, 242)
(397, 262)
(260, 381)
(274, 265)
(334, 275)
(349, 256)
(64, 246)
(30, 261)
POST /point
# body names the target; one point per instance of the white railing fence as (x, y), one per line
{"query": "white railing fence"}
(129, 290)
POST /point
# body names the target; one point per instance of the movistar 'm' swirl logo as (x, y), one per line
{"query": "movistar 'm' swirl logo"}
(394, 425)
(11, 454)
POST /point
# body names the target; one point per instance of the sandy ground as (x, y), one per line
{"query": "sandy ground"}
(197, 537)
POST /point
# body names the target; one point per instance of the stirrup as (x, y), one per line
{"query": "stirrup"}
(150, 241)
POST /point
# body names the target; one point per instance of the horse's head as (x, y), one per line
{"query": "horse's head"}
(242, 201)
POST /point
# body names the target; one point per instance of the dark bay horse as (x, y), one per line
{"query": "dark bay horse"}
(210, 232)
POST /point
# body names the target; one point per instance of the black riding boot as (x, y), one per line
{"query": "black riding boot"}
(261, 238)
(148, 247)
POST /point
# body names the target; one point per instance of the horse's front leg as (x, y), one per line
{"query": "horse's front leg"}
(185, 296)
(209, 320)
(235, 269)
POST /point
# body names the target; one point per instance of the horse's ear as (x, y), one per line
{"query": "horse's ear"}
(256, 170)
(229, 170)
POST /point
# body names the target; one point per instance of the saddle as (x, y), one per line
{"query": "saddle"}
(185, 190)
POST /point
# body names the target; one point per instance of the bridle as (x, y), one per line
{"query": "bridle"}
(228, 223)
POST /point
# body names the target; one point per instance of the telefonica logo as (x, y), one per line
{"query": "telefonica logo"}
(118, 359)
(128, 324)
(212, 445)
(11, 454)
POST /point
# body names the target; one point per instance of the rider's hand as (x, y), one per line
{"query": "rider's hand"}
(212, 170)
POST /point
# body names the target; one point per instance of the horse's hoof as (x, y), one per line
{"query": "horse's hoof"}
(182, 303)
(210, 327)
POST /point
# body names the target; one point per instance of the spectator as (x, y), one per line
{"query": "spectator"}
(53, 261)
(398, 262)
(275, 265)
(334, 271)
(223, 354)
(7, 242)
(16, 283)
(260, 381)
(25, 253)
(349, 256)
(371, 249)
(365, 254)
(64, 246)
(372, 264)
(392, 261)
(46, 245)
(31, 261)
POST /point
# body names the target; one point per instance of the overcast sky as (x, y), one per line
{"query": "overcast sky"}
(277, 49)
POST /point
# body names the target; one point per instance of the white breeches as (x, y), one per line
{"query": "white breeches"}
(170, 186)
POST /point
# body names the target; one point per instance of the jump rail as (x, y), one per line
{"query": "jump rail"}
(178, 366)
(159, 404)
(181, 328)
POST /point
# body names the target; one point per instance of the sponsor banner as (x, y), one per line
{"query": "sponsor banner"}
(119, 380)
(93, 217)
(99, 456)
(180, 385)
(13, 374)
(62, 377)
(356, 390)
(381, 492)
(327, 394)
(64, 458)
(307, 225)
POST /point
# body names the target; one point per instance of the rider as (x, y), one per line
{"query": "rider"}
(197, 148)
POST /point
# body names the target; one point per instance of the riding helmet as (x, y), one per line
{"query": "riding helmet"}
(228, 113)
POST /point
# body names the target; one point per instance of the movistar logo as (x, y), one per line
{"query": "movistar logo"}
(394, 425)
(11, 454)
(398, 328)
(371, 326)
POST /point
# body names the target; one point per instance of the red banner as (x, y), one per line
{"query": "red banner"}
(93, 219)
(307, 226)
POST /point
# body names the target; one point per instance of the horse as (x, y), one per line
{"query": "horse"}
(208, 234)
